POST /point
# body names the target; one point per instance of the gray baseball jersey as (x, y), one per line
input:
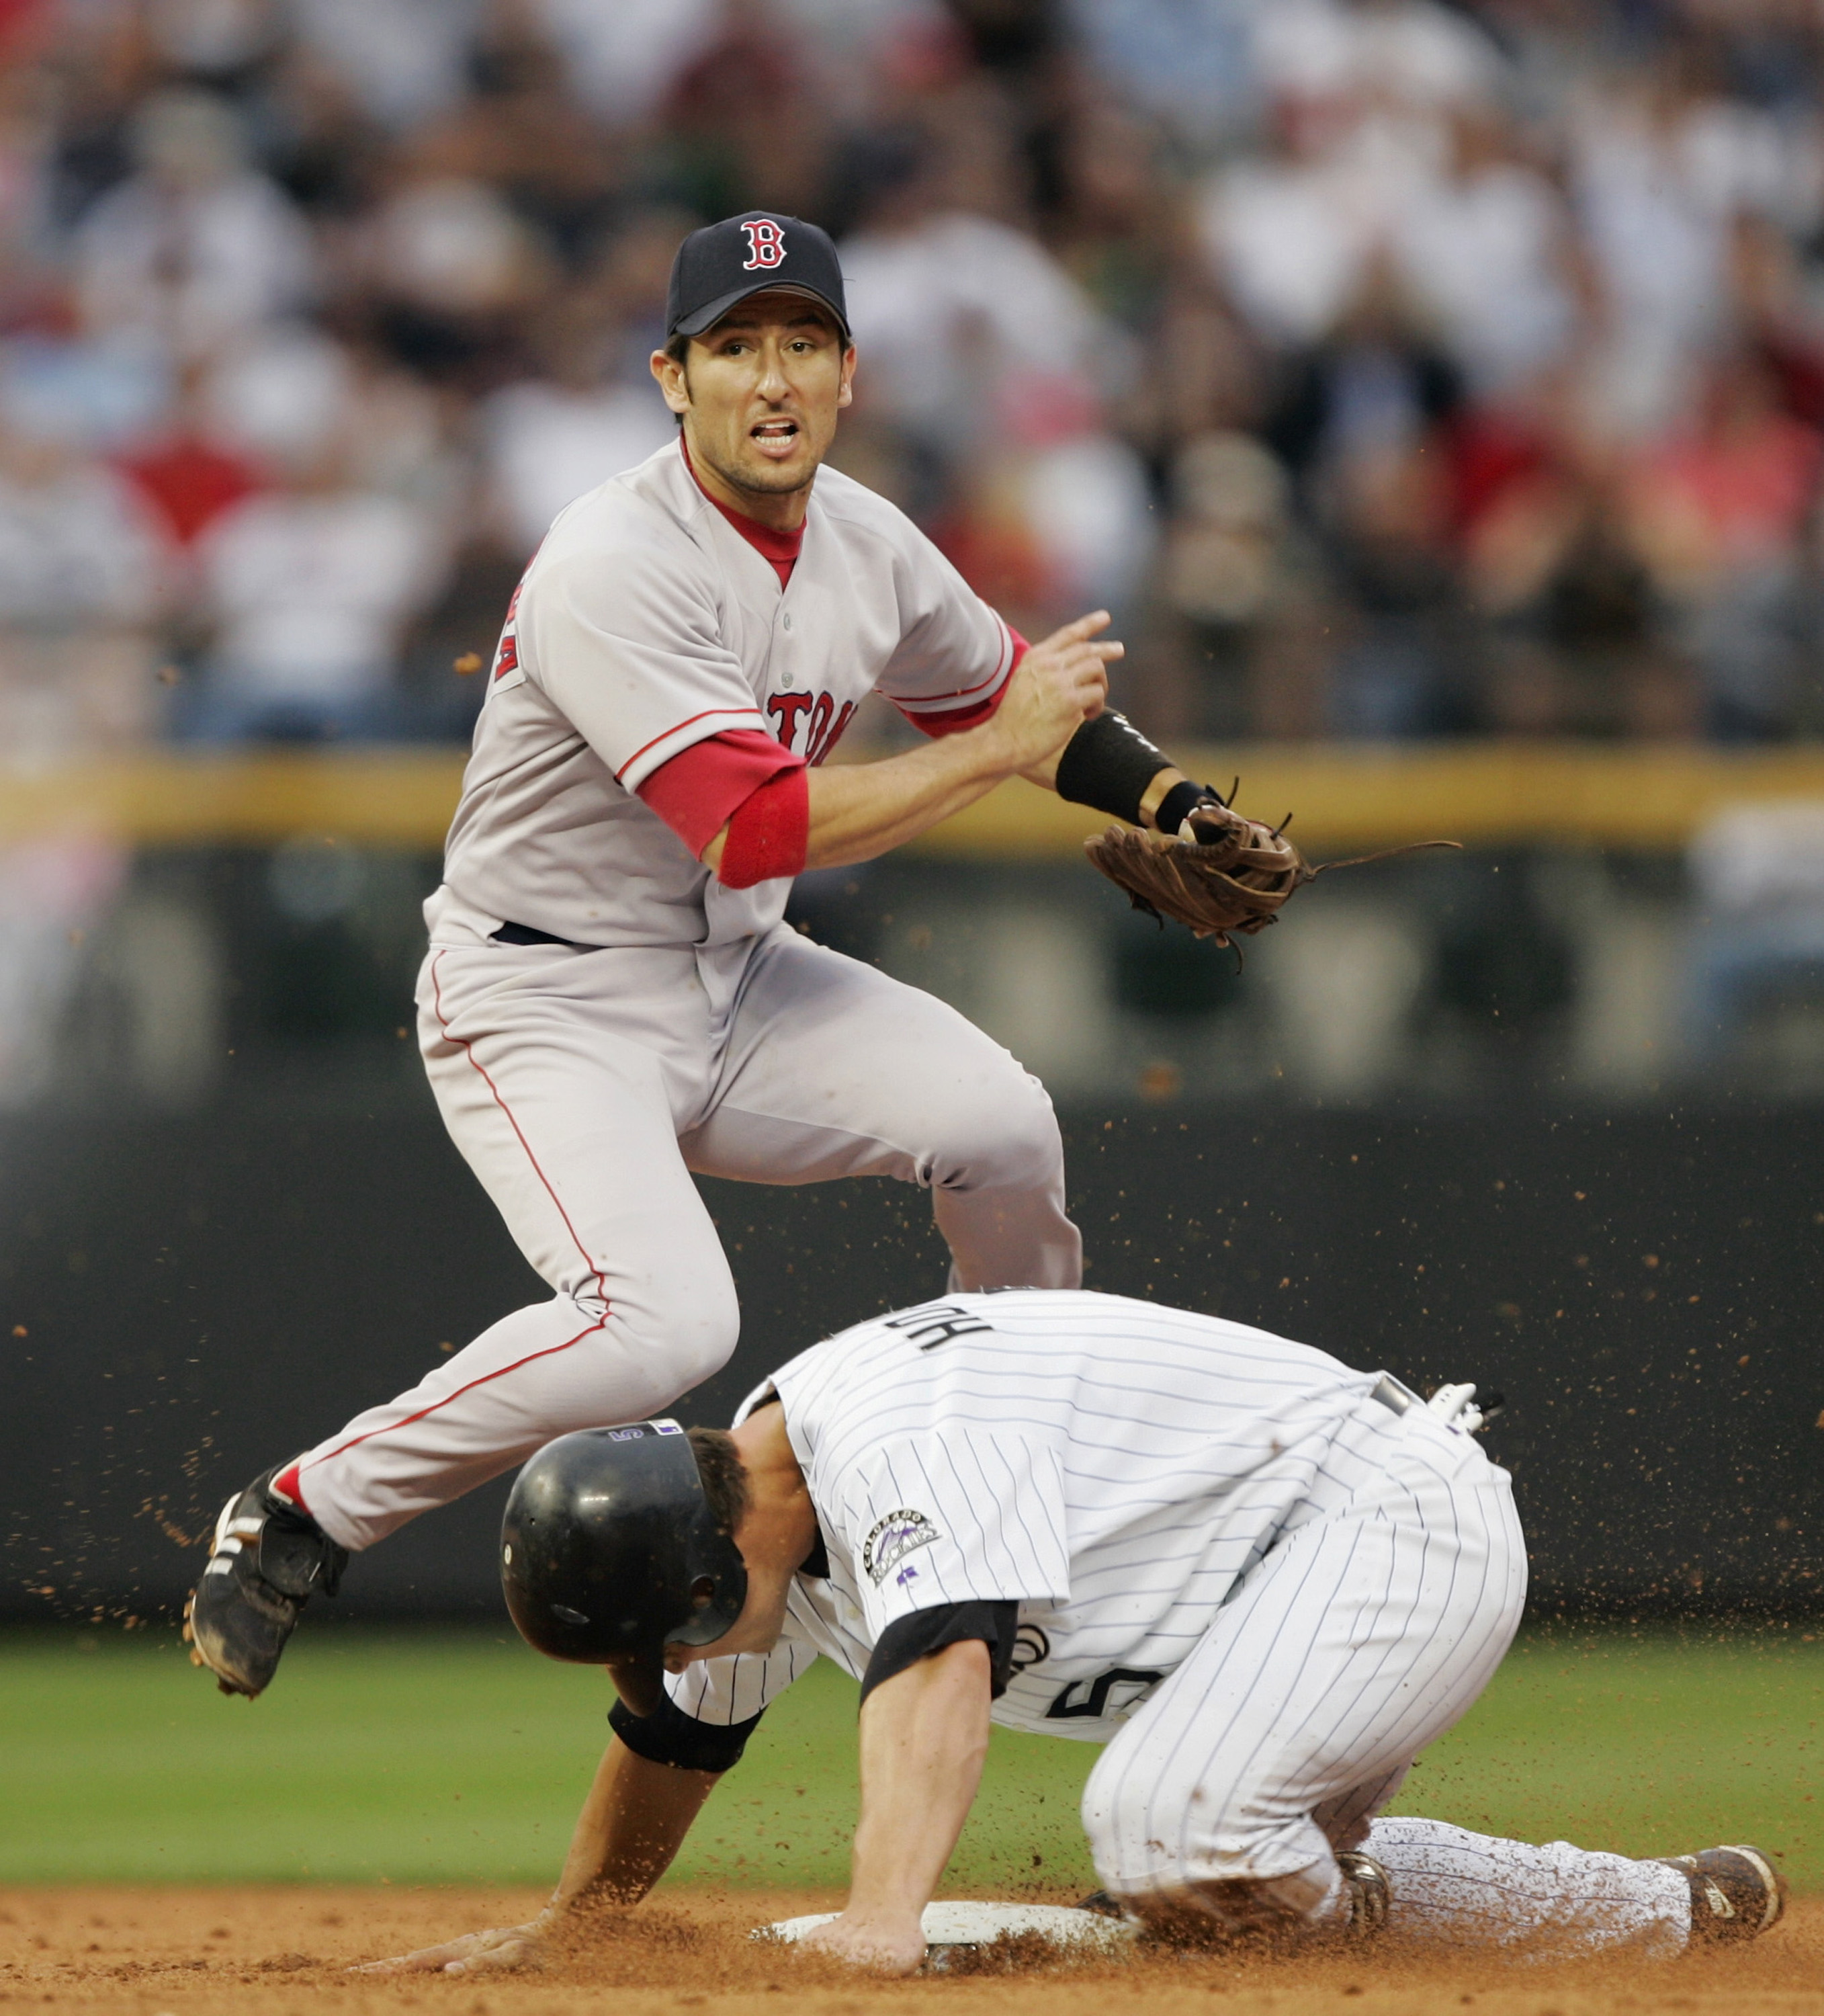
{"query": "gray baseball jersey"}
(644, 623)
(682, 1026)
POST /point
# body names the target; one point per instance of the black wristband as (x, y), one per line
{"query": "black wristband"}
(1108, 763)
(1177, 804)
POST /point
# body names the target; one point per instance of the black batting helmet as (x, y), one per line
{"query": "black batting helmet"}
(610, 1551)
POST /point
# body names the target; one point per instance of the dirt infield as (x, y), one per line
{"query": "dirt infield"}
(282, 1953)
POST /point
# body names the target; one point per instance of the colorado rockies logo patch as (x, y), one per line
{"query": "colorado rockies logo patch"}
(899, 1534)
(766, 244)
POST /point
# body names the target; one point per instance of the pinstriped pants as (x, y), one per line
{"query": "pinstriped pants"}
(1360, 1637)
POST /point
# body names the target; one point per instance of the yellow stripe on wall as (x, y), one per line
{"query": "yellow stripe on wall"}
(385, 797)
(1344, 797)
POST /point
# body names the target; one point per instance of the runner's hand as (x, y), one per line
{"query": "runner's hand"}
(499, 1952)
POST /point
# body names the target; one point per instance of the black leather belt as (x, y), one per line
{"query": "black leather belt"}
(522, 934)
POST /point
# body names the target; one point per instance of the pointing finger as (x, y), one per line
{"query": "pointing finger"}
(1085, 627)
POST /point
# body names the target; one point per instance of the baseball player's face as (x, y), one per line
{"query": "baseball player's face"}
(759, 395)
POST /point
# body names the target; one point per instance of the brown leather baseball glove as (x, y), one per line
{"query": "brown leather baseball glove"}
(1232, 883)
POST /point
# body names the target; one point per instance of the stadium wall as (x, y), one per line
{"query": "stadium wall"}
(185, 1299)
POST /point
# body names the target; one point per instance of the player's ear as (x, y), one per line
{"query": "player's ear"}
(846, 393)
(674, 382)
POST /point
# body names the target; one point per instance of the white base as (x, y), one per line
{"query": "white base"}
(960, 1923)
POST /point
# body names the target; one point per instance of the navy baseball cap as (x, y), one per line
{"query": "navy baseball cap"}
(753, 254)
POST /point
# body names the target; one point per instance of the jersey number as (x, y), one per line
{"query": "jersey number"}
(1089, 1698)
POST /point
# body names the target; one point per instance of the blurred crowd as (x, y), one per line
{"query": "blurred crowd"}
(1391, 368)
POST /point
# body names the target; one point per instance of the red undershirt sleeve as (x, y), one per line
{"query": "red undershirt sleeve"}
(973, 715)
(701, 788)
(769, 833)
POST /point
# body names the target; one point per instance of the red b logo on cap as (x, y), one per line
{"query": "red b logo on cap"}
(766, 244)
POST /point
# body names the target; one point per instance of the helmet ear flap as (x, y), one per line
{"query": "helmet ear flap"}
(609, 1550)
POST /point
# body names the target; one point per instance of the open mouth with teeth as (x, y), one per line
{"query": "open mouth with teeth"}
(776, 438)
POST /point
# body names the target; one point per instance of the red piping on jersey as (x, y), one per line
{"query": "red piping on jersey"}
(550, 1351)
(778, 549)
(769, 833)
(690, 720)
(1020, 648)
(954, 720)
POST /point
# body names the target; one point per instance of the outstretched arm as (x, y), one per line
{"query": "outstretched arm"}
(924, 1739)
(632, 1823)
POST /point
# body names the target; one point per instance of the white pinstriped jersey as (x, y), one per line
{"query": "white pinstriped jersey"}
(1112, 1466)
(644, 623)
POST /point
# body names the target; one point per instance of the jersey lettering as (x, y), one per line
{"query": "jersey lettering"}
(1093, 1703)
(823, 720)
(766, 244)
(822, 708)
(788, 710)
(929, 1327)
(820, 746)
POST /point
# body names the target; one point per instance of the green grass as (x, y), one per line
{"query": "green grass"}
(441, 1757)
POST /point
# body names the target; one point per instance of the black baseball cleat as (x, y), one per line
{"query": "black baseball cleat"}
(1370, 1896)
(268, 1559)
(1736, 1893)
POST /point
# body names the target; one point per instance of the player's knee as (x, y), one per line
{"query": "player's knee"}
(997, 1131)
(680, 1325)
(703, 1342)
(1181, 1858)
(697, 1322)
(1254, 1908)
